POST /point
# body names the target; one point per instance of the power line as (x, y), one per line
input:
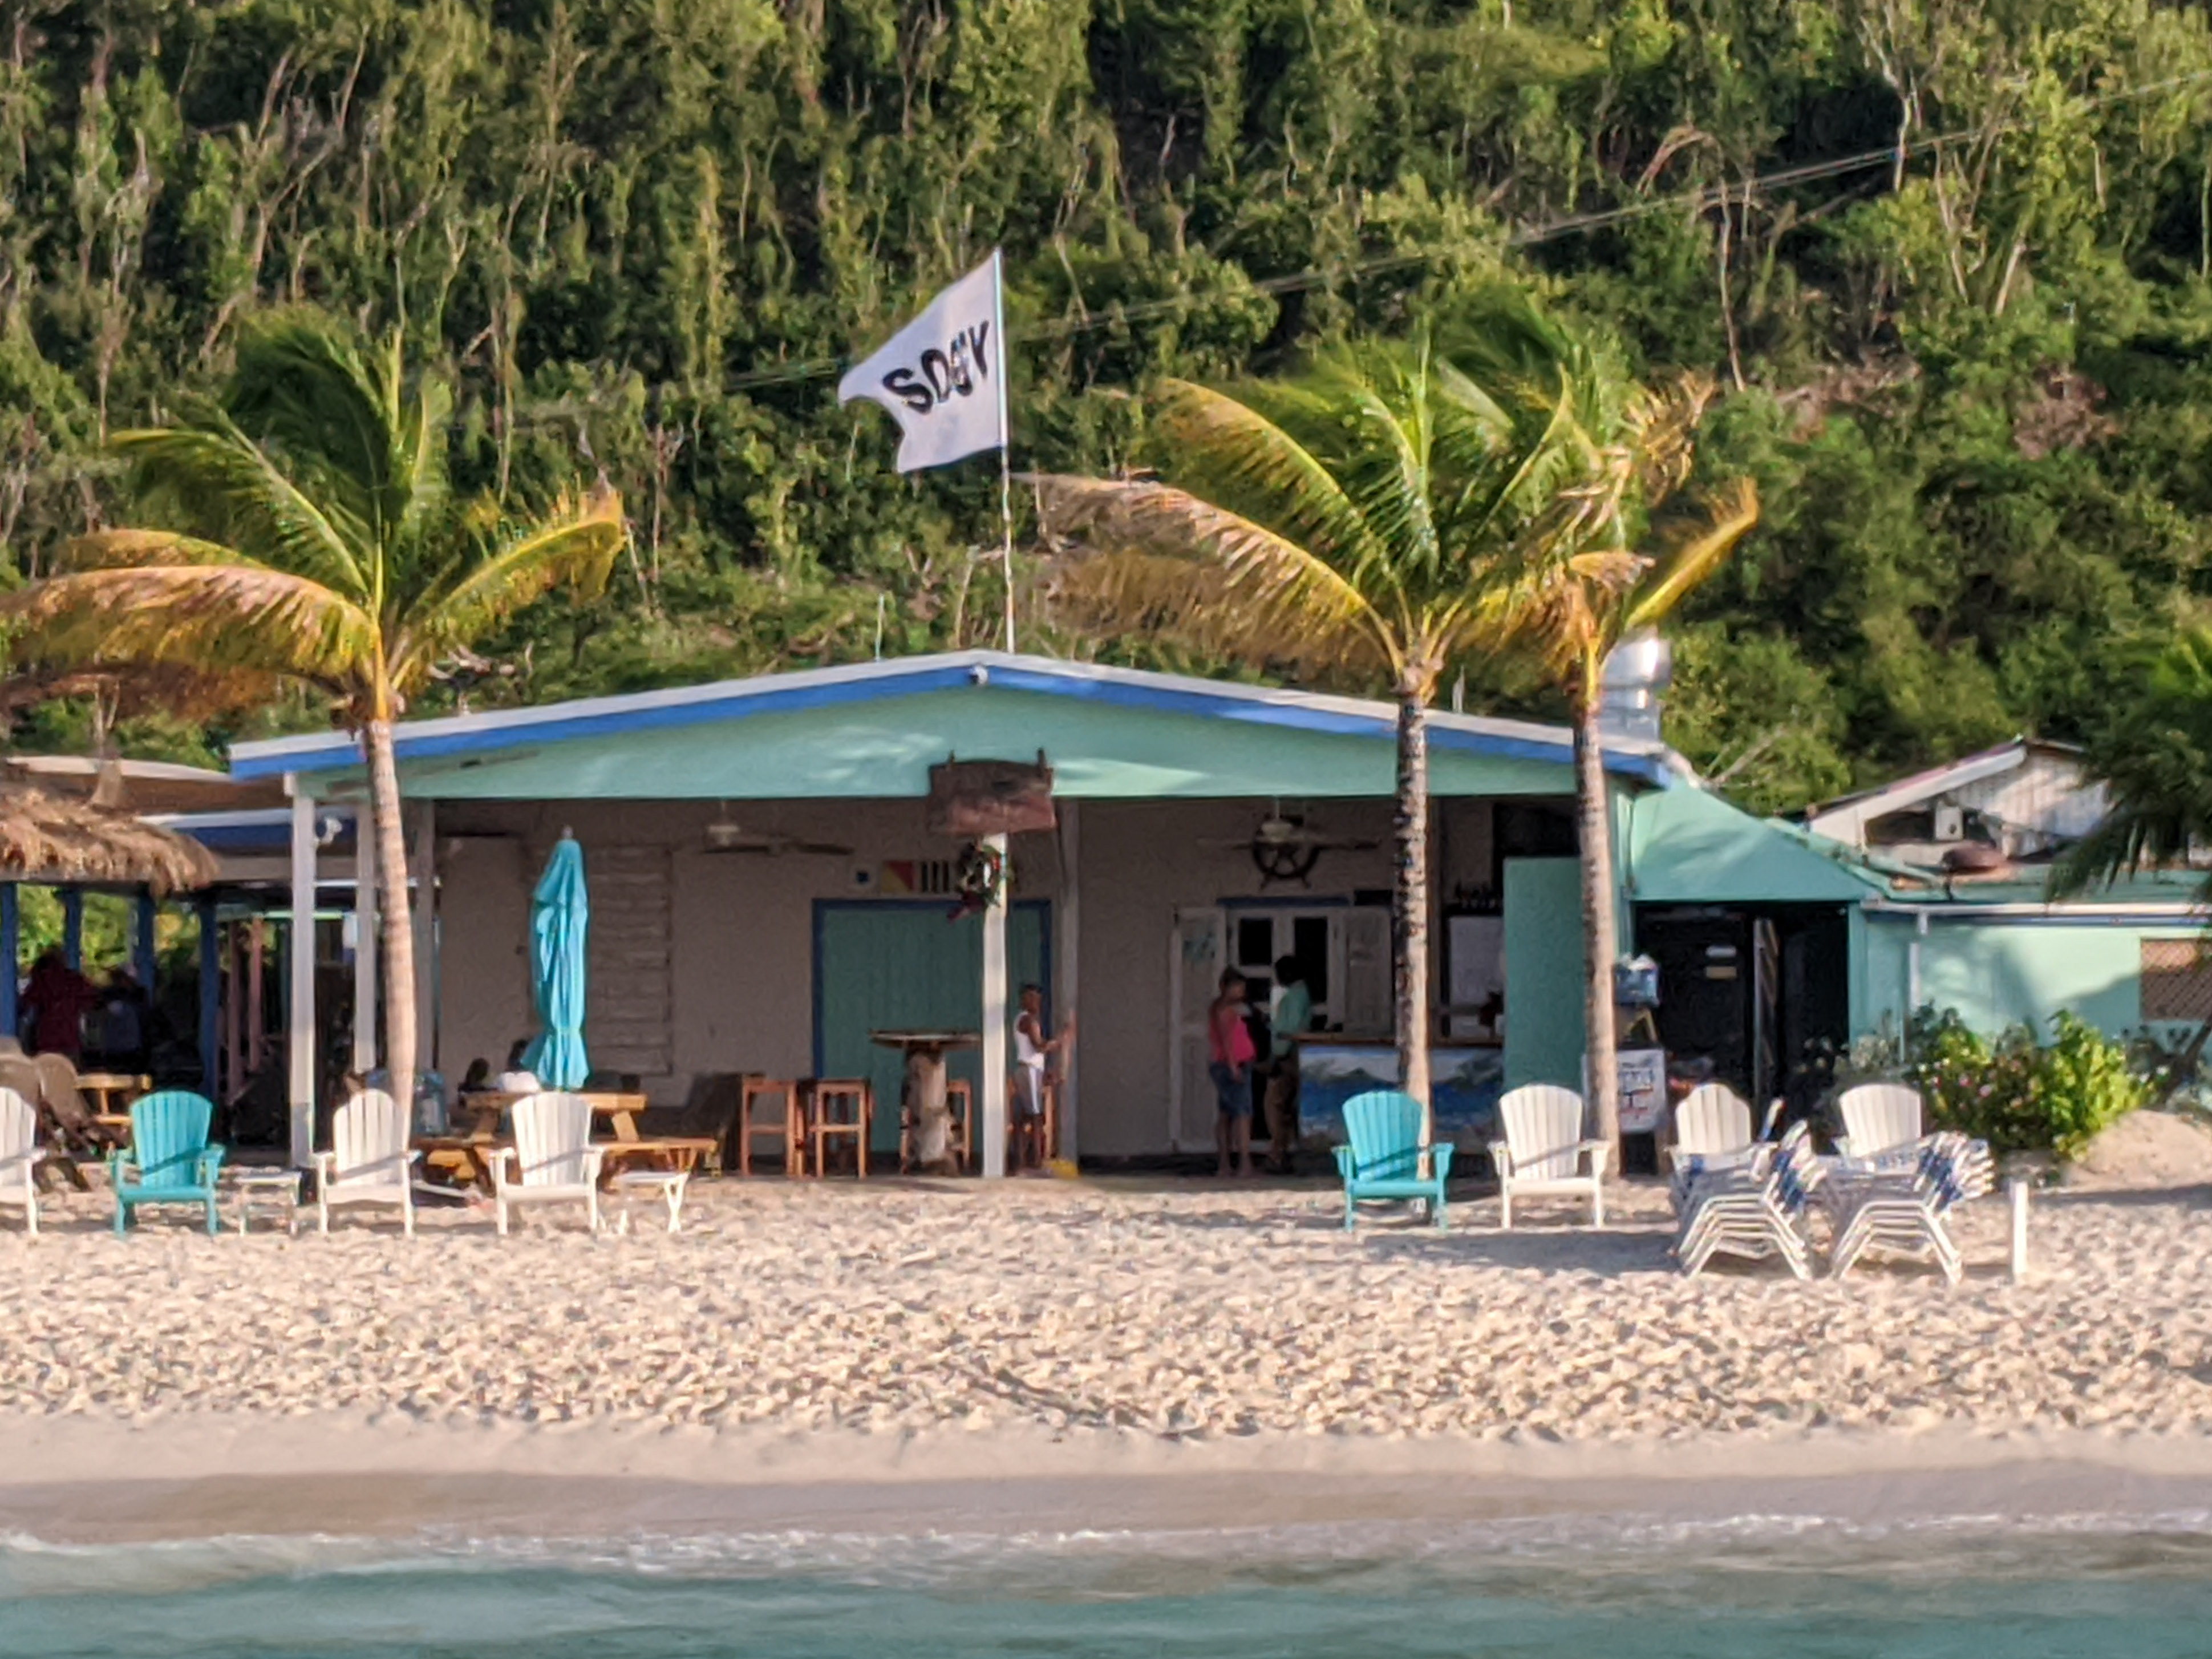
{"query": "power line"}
(1698, 196)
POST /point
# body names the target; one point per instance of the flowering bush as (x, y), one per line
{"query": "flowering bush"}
(2020, 1096)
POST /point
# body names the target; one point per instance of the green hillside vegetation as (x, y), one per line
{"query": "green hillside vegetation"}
(1951, 263)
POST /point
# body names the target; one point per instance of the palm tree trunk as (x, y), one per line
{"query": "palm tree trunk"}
(1409, 916)
(1593, 829)
(398, 932)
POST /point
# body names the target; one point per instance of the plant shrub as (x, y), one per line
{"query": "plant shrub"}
(2020, 1096)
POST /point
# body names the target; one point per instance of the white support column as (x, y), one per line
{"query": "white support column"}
(299, 1033)
(1068, 953)
(424, 857)
(365, 940)
(994, 1021)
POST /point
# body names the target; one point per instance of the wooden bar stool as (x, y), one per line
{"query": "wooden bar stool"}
(789, 1132)
(841, 1106)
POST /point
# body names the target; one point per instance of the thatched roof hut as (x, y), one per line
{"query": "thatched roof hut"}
(47, 837)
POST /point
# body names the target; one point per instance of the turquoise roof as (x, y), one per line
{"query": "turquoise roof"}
(873, 730)
(1689, 847)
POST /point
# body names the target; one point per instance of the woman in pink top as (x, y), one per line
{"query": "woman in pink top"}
(1228, 1056)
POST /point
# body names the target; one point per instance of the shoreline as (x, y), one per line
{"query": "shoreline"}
(83, 1480)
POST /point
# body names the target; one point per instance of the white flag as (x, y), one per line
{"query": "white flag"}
(943, 376)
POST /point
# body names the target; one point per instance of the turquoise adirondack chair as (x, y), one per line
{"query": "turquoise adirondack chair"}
(170, 1161)
(1383, 1159)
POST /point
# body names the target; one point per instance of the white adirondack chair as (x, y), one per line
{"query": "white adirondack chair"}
(369, 1161)
(552, 1160)
(19, 1156)
(1881, 1121)
(1713, 1121)
(1544, 1152)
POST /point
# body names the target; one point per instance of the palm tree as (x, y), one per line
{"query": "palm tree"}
(1574, 584)
(2154, 755)
(1375, 519)
(306, 531)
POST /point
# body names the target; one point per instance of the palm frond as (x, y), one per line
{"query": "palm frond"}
(1289, 602)
(1698, 549)
(228, 490)
(211, 618)
(1199, 605)
(306, 385)
(1234, 452)
(108, 549)
(574, 546)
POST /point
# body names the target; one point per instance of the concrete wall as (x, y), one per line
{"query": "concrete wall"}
(2001, 973)
(742, 945)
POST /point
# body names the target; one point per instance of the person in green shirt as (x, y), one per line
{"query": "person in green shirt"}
(1293, 1014)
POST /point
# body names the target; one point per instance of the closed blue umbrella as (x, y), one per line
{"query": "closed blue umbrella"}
(560, 915)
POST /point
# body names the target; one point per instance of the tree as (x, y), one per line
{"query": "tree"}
(304, 529)
(2154, 755)
(1573, 584)
(1375, 519)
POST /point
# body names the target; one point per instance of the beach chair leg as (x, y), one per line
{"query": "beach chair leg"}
(214, 1218)
(407, 1217)
(122, 1211)
(1437, 1208)
(591, 1204)
(499, 1215)
(322, 1215)
(1504, 1207)
(31, 1213)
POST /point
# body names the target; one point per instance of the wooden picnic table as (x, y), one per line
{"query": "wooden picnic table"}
(102, 1087)
(469, 1152)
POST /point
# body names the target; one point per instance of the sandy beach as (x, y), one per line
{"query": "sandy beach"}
(953, 1344)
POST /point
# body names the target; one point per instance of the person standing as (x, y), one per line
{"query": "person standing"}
(1033, 1050)
(1292, 1015)
(1229, 1057)
(56, 1001)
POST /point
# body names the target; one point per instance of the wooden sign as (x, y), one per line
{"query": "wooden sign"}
(968, 799)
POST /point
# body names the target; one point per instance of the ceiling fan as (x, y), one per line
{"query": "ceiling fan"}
(1284, 847)
(725, 834)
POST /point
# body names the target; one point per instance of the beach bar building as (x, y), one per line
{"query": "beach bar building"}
(765, 893)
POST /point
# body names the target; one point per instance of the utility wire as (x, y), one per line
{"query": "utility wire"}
(1698, 198)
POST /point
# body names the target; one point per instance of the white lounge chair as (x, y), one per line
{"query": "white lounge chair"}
(369, 1161)
(1881, 1123)
(1544, 1153)
(1905, 1212)
(1712, 1131)
(19, 1156)
(1751, 1210)
(552, 1160)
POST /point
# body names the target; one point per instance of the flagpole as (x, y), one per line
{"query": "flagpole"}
(1005, 458)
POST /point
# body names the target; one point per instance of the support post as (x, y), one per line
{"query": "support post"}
(211, 996)
(364, 942)
(299, 1027)
(1066, 968)
(11, 958)
(2018, 1193)
(425, 917)
(73, 927)
(143, 963)
(994, 1019)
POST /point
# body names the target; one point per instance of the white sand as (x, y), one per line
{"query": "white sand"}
(1182, 1310)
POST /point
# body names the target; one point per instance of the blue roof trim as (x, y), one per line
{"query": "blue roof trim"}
(746, 698)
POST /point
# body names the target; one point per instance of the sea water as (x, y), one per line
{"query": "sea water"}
(1763, 1585)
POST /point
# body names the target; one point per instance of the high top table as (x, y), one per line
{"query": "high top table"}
(922, 1099)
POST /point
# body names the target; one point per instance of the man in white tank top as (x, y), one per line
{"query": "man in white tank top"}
(1032, 1050)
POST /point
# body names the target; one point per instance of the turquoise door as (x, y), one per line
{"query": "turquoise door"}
(1543, 972)
(880, 965)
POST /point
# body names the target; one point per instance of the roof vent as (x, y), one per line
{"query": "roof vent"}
(1633, 686)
